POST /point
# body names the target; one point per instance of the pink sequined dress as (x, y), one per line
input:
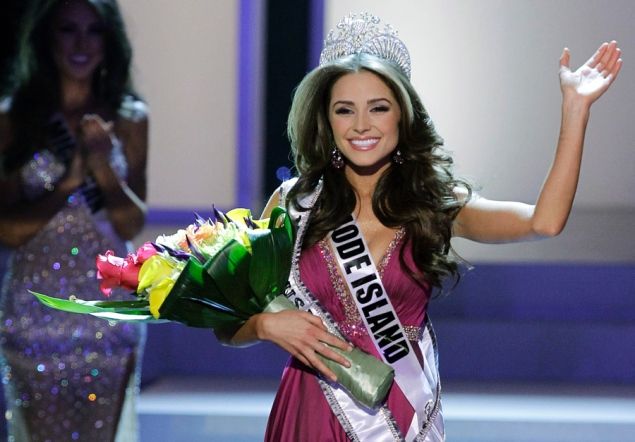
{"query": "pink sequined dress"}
(66, 377)
(300, 411)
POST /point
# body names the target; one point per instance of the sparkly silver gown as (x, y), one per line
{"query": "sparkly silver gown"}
(66, 376)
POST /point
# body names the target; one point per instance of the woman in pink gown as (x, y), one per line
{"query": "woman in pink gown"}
(300, 407)
(364, 145)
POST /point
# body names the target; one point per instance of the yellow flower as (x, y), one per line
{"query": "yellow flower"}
(157, 295)
(157, 277)
(238, 216)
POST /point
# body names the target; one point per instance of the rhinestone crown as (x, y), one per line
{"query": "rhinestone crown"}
(364, 33)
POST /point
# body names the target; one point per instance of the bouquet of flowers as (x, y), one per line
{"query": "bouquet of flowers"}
(217, 274)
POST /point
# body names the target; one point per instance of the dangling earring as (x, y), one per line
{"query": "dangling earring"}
(336, 158)
(397, 158)
(103, 72)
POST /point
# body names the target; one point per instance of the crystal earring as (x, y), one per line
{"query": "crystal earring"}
(397, 158)
(336, 158)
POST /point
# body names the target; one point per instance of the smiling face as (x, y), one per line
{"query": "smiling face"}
(364, 117)
(78, 40)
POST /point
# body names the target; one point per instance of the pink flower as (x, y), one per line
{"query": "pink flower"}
(115, 271)
(145, 251)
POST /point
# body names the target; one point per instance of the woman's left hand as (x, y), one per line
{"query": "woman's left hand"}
(595, 76)
(96, 140)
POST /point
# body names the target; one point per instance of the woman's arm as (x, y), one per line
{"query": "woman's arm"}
(21, 219)
(301, 334)
(498, 221)
(124, 200)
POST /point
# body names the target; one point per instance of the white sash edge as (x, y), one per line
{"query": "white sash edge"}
(432, 429)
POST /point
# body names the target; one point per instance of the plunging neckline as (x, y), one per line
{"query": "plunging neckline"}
(353, 323)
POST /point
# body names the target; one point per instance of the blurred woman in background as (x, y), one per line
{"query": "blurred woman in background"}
(73, 150)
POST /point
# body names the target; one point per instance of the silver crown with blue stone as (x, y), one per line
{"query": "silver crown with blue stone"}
(364, 33)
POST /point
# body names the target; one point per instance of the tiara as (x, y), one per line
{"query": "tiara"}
(364, 33)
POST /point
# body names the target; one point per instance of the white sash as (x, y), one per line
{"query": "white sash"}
(421, 387)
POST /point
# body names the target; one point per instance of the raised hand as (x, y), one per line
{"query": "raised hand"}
(595, 76)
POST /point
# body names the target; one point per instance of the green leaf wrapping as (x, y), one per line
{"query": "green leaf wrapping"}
(229, 269)
(271, 260)
(133, 311)
(195, 300)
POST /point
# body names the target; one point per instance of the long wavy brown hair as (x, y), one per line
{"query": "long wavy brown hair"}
(418, 194)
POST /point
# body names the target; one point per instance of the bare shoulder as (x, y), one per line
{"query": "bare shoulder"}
(132, 123)
(273, 202)
(133, 110)
(463, 194)
(469, 201)
(285, 187)
(279, 197)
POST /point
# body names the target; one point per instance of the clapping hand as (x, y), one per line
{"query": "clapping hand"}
(96, 137)
(595, 76)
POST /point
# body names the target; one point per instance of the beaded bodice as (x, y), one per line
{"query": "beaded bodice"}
(48, 165)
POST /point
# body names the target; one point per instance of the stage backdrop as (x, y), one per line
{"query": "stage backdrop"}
(185, 65)
(487, 71)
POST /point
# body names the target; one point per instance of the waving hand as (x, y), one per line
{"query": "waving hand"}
(595, 76)
(502, 221)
